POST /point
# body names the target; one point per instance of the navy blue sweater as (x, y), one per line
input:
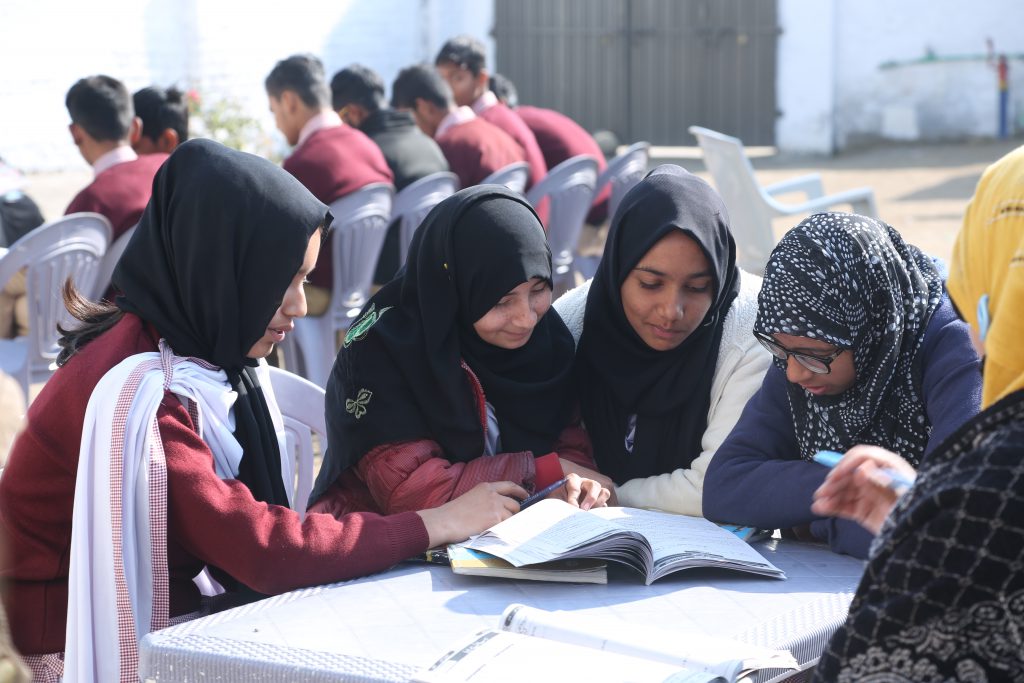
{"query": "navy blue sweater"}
(757, 477)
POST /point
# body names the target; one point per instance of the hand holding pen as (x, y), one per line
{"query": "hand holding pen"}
(863, 485)
(575, 490)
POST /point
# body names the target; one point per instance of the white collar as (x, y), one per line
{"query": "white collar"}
(485, 102)
(455, 117)
(118, 155)
(327, 118)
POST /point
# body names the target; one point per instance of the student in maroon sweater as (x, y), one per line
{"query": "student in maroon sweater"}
(458, 374)
(474, 148)
(462, 63)
(164, 117)
(330, 158)
(212, 280)
(559, 138)
(104, 127)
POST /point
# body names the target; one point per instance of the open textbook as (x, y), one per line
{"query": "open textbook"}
(559, 646)
(653, 543)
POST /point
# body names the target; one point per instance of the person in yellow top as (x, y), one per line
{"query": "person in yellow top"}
(942, 597)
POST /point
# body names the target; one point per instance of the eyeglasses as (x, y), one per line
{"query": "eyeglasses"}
(819, 365)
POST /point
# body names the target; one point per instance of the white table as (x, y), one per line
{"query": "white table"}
(384, 627)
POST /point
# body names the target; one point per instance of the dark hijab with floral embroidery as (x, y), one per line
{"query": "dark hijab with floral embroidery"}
(399, 374)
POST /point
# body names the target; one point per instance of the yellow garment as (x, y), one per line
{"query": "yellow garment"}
(988, 258)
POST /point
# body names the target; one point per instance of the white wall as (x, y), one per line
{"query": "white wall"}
(224, 48)
(834, 91)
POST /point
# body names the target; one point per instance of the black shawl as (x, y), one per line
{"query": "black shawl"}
(398, 376)
(219, 242)
(853, 282)
(619, 375)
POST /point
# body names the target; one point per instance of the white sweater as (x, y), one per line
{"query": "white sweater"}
(742, 363)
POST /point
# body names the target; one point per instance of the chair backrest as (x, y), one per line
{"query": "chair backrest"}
(570, 189)
(360, 225)
(414, 202)
(71, 246)
(110, 259)
(623, 172)
(302, 407)
(749, 212)
(514, 177)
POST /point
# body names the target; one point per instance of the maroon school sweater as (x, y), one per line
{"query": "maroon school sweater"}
(210, 520)
(121, 192)
(475, 149)
(332, 163)
(506, 119)
(561, 138)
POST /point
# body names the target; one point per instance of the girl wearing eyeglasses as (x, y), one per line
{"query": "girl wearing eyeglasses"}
(868, 350)
(942, 596)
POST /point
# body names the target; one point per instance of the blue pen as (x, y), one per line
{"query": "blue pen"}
(542, 494)
(897, 480)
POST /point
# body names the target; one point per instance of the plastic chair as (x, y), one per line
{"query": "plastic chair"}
(302, 406)
(416, 200)
(752, 207)
(570, 189)
(360, 225)
(623, 172)
(514, 177)
(71, 246)
(110, 260)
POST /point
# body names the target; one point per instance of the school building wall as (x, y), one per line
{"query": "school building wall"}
(856, 71)
(223, 48)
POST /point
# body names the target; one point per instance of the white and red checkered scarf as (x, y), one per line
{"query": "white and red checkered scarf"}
(118, 582)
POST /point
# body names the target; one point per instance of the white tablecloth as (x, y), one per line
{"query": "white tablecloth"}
(384, 627)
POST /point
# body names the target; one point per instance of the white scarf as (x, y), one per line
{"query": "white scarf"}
(119, 529)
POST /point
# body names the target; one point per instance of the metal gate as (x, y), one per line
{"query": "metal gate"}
(645, 69)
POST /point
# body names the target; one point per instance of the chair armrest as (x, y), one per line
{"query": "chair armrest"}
(862, 200)
(809, 184)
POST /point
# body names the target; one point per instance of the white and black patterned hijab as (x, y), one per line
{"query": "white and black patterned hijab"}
(853, 282)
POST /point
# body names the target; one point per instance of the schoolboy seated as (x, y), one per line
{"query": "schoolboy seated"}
(164, 116)
(474, 148)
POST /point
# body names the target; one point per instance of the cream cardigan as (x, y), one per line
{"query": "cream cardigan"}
(742, 363)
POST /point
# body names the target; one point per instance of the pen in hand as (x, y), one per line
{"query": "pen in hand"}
(542, 494)
(897, 481)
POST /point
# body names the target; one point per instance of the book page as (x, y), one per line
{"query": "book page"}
(504, 657)
(679, 535)
(696, 652)
(542, 532)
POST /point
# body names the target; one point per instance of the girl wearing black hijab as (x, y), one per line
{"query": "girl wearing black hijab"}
(665, 359)
(155, 449)
(454, 375)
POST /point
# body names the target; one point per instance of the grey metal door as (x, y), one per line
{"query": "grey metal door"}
(646, 69)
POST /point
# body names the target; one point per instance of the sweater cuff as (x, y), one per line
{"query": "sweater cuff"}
(407, 535)
(549, 470)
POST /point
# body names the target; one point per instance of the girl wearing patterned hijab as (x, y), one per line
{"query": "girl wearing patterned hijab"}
(665, 359)
(455, 374)
(943, 595)
(868, 350)
(155, 449)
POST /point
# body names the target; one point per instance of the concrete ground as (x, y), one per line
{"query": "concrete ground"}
(921, 190)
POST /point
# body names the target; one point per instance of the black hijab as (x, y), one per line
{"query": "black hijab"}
(398, 375)
(219, 242)
(619, 375)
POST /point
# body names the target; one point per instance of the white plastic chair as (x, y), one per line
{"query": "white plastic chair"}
(570, 189)
(514, 177)
(360, 225)
(302, 406)
(414, 202)
(71, 246)
(752, 207)
(109, 261)
(623, 172)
